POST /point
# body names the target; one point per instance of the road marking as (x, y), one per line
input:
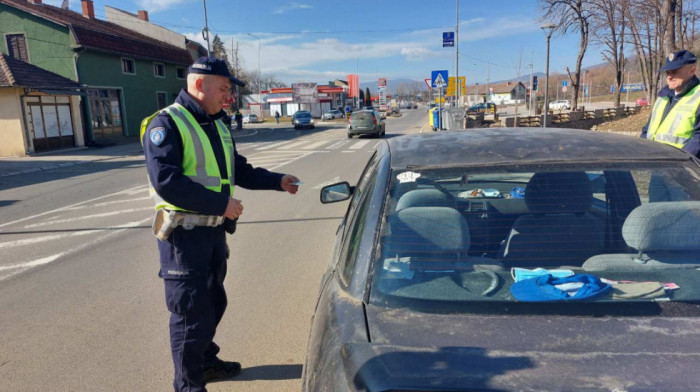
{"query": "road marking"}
(73, 205)
(87, 217)
(332, 181)
(316, 144)
(337, 145)
(106, 203)
(376, 145)
(348, 151)
(295, 144)
(288, 162)
(273, 145)
(359, 144)
(46, 260)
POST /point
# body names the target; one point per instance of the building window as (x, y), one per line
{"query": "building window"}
(162, 99)
(128, 66)
(17, 47)
(181, 73)
(158, 70)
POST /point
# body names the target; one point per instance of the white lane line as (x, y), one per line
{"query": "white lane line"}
(334, 180)
(351, 151)
(295, 144)
(359, 144)
(273, 145)
(46, 260)
(107, 203)
(74, 205)
(288, 162)
(314, 145)
(376, 145)
(102, 215)
(337, 145)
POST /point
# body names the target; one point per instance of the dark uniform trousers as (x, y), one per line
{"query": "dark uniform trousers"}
(193, 268)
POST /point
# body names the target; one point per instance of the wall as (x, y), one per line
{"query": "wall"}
(131, 22)
(11, 127)
(48, 44)
(100, 70)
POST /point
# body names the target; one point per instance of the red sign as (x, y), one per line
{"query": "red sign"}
(353, 86)
(427, 83)
(382, 82)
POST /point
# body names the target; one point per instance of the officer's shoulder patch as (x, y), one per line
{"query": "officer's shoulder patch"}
(157, 135)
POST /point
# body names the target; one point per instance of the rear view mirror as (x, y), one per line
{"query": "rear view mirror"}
(336, 192)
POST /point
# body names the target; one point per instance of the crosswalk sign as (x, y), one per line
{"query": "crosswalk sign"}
(439, 78)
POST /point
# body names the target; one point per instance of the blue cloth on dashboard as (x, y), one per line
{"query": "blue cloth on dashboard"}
(544, 288)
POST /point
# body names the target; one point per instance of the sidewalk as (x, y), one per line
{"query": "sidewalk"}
(12, 166)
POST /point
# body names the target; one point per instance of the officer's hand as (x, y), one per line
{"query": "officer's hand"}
(289, 184)
(234, 209)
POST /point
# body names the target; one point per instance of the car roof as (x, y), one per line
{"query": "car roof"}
(510, 146)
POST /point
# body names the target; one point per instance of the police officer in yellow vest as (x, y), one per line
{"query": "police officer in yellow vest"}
(675, 119)
(193, 168)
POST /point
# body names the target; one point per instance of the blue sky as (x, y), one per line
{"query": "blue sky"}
(321, 40)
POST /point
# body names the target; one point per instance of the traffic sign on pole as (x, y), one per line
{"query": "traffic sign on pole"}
(564, 83)
(448, 39)
(439, 78)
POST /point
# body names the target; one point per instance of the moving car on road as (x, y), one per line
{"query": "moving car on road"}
(562, 104)
(366, 122)
(333, 114)
(512, 260)
(250, 118)
(303, 119)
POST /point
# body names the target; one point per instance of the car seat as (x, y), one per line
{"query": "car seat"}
(665, 235)
(559, 230)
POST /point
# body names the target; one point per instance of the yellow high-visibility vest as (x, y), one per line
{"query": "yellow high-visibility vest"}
(678, 126)
(198, 159)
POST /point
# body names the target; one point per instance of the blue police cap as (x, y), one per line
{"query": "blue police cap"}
(678, 59)
(213, 66)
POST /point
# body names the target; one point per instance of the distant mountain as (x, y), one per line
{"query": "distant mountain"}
(394, 84)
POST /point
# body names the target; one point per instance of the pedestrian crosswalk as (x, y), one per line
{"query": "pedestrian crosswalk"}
(308, 145)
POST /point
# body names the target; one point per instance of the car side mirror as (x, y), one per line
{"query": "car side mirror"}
(336, 192)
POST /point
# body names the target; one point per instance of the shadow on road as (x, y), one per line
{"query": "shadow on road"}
(269, 372)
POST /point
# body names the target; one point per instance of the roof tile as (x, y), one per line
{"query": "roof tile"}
(16, 73)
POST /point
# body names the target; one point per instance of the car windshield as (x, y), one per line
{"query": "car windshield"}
(463, 237)
(362, 116)
(303, 115)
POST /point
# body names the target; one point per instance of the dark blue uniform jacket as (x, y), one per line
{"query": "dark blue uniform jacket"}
(164, 164)
(693, 145)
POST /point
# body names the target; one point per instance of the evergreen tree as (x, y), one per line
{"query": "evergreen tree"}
(361, 98)
(368, 97)
(219, 51)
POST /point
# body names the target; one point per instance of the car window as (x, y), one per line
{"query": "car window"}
(461, 236)
(362, 116)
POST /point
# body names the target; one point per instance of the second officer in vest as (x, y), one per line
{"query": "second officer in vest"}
(675, 119)
(193, 169)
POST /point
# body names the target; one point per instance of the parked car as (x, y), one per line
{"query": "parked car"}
(562, 104)
(483, 107)
(250, 118)
(333, 114)
(303, 119)
(366, 122)
(421, 291)
(642, 101)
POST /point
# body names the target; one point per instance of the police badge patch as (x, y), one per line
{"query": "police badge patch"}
(670, 57)
(157, 135)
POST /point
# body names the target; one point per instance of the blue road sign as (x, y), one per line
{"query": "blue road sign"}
(439, 78)
(564, 82)
(448, 39)
(585, 91)
(631, 87)
(612, 88)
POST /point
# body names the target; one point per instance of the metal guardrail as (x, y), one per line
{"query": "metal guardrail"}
(588, 114)
(560, 118)
(610, 113)
(530, 121)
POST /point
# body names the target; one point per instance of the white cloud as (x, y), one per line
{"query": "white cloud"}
(290, 7)
(416, 53)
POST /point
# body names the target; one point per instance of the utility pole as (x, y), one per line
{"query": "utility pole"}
(457, 84)
(206, 28)
(529, 103)
(627, 99)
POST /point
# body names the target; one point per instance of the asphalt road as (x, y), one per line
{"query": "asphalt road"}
(83, 309)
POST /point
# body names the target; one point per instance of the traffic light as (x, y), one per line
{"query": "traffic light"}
(534, 83)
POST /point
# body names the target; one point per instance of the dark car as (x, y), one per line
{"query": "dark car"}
(484, 107)
(366, 122)
(302, 119)
(513, 260)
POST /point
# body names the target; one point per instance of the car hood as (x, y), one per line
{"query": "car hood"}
(419, 351)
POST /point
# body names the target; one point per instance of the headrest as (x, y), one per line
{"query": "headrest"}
(671, 225)
(552, 193)
(428, 197)
(442, 227)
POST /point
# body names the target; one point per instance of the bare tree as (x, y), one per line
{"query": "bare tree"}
(571, 16)
(646, 30)
(609, 26)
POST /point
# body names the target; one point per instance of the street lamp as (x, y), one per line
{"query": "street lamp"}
(548, 30)
(259, 80)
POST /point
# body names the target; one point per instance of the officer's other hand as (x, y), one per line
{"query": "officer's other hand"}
(288, 184)
(234, 209)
